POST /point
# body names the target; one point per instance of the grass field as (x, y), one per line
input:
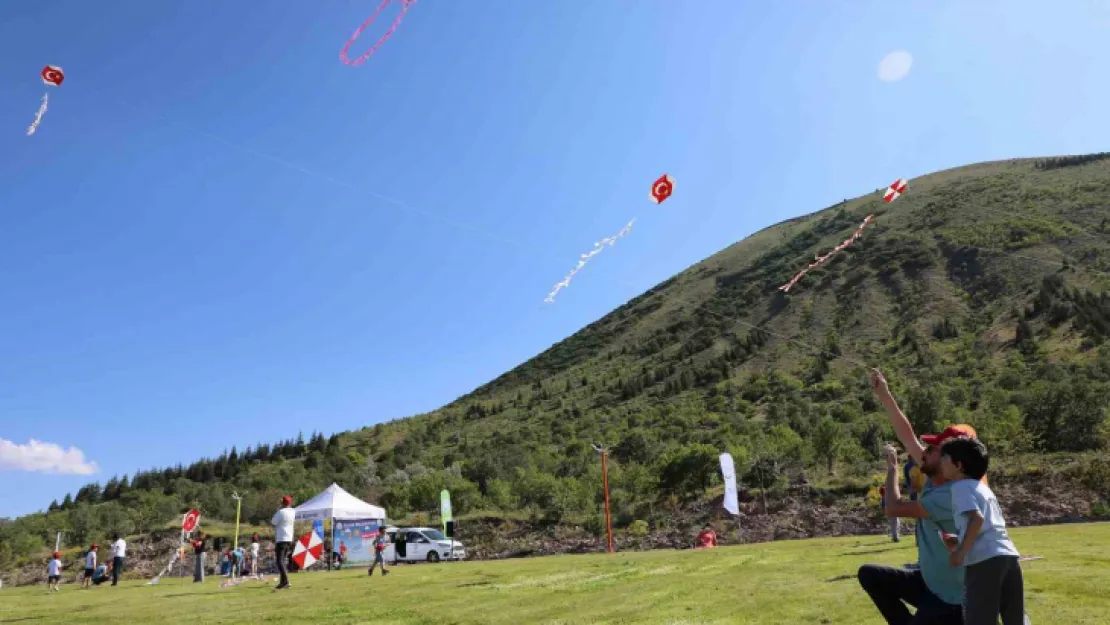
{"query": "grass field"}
(793, 582)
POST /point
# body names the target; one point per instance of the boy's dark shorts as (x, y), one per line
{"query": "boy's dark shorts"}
(50, 579)
(89, 573)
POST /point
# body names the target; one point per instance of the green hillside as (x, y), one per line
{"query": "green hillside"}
(981, 292)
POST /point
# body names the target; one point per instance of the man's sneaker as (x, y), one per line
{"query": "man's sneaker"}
(385, 572)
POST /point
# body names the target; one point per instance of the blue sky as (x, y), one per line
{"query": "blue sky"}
(195, 251)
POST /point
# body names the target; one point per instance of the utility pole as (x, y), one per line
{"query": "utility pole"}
(605, 481)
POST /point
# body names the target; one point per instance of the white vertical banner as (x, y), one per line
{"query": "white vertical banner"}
(728, 472)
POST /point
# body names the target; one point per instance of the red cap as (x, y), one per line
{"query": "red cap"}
(57, 555)
(94, 546)
(950, 432)
(287, 500)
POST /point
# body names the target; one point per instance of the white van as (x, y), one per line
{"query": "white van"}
(421, 544)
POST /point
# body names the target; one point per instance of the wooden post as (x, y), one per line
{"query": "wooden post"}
(605, 481)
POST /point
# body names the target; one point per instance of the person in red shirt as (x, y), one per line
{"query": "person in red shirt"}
(707, 539)
(199, 548)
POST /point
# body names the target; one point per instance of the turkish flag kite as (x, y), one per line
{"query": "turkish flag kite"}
(661, 189)
(308, 550)
(898, 187)
(53, 76)
(189, 523)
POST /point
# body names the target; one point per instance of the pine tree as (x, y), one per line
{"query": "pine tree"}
(111, 489)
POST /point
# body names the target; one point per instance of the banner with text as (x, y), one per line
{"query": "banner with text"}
(358, 535)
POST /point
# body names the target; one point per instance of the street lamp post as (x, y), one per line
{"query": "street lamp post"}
(605, 482)
(238, 506)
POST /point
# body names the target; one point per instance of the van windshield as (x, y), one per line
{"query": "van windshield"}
(435, 534)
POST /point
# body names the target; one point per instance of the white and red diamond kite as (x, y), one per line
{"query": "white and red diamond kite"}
(897, 188)
(308, 550)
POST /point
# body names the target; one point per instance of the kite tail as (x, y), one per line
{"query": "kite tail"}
(585, 258)
(38, 116)
(821, 259)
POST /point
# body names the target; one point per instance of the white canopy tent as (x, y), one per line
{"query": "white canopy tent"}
(336, 503)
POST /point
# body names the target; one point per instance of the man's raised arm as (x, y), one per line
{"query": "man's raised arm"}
(902, 428)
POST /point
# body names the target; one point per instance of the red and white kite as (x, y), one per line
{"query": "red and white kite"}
(53, 75)
(661, 189)
(897, 188)
(308, 550)
(189, 523)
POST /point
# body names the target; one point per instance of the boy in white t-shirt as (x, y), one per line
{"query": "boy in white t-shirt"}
(90, 566)
(993, 584)
(54, 572)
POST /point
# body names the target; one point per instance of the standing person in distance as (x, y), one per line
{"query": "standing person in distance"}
(255, 548)
(199, 557)
(283, 528)
(90, 566)
(54, 572)
(379, 552)
(993, 584)
(119, 554)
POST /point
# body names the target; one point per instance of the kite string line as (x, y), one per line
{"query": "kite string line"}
(585, 258)
(358, 32)
(752, 326)
(315, 174)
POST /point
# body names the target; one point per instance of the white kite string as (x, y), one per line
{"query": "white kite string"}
(38, 116)
(585, 258)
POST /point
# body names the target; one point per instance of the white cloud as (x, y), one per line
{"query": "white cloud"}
(44, 457)
(895, 66)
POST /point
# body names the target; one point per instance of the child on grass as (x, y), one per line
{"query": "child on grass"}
(993, 584)
(90, 566)
(54, 572)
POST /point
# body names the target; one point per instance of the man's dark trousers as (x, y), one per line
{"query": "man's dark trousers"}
(891, 589)
(283, 551)
(117, 568)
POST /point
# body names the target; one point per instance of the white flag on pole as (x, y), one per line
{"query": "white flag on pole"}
(728, 471)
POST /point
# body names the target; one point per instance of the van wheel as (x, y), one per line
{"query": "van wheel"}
(433, 557)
